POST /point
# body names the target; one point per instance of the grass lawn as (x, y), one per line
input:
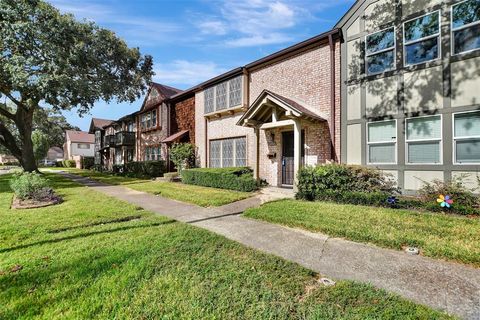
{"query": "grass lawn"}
(438, 236)
(201, 196)
(97, 257)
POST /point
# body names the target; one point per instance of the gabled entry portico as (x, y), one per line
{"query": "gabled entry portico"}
(271, 115)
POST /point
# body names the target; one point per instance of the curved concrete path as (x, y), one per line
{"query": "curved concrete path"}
(447, 286)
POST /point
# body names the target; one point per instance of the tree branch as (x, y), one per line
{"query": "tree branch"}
(12, 98)
(6, 113)
(9, 142)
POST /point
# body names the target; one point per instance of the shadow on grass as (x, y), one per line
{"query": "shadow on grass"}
(93, 224)
(84, 235)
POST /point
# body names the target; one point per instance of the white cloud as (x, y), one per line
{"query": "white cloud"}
(214, 27)
(257, 40)
(189, 73)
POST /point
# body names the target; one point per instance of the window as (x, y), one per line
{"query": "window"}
(130, 153)
(466, 26)
(143, 118)
(154, 118)
(224, 95)
(382, 142)
(83, 146)
(118, 156)
(424, 138)
(380, 51)
(230, 152)
(235, 92)
(422, 39)
(149, 122)
(209, 100)
(466, 137)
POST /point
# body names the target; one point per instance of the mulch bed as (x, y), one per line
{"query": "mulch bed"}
(31, 204)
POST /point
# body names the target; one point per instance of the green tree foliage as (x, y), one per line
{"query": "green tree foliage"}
(40, 144)
(48, 58)
(183, 155)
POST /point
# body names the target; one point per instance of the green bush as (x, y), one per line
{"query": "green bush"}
(240, 179)
(313, 181)
(182, 155)
(69, 164)
(27, 185)
(59, 164)
(88, 162)
(149, 169)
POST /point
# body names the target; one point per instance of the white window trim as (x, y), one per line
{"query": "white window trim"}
(453, 30)
(437, 35)
(440, 140)
(382, 51)
(455, 139)
(227, 96)
(234, 151)
(395, 142)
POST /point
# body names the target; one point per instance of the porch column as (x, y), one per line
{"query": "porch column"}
(297, 153)
(256, 168)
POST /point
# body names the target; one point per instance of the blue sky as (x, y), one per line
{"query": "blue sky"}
(192, 41)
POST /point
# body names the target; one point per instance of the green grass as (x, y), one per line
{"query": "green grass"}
(438, 236)
(97, 257)
(201, 196)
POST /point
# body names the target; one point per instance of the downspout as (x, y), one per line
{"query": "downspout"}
(332, 96)
(167, 156)
(206, 143)
(246, 97)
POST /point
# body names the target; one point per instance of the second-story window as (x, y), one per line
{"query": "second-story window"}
(466, 26)
(380, 51)
(148, 120)
(227, 94)
(422, 39)
(154, 118)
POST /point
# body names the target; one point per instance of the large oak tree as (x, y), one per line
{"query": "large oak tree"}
(51, 59)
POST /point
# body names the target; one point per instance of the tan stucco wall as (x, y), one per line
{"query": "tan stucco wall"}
(423, 90)
(381, 97)
(354, 145)
(414, 179)
(465, 82)
(354, 102)
(470, 179)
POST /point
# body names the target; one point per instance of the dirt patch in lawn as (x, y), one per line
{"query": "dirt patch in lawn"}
(18, 203)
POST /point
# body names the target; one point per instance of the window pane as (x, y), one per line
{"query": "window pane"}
(380, 41)
(466, 39)
(380, 62)
(467, 124)
(235, 92)
(468, 151)
(424, 128)
(382, 131)
(381, 153)
(209, 105)
(221, 96)
(466, 13)
(154, 118)
(227, 153)
(240, 152)
(215, 153)
(422, 51)
(422, 27)
(424, 152)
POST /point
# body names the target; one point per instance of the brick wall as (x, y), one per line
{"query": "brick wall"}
(153, 138)
(183, 117)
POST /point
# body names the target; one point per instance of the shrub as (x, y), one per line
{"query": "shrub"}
(240, 179)
(30, 186)
(59, 164)
(69, 163)
(149, 169)
(313, 181)
(88, 162)
(183, 155)
(465, 201)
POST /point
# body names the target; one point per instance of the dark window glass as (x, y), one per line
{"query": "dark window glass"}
(422, 51)
(466, 39)
(422, 27)
(380, 41)
(465, 13)
(380, 62)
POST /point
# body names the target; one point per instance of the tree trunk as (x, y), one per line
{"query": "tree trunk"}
(24, 121)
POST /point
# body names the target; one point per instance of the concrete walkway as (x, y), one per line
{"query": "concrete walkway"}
(447, 286)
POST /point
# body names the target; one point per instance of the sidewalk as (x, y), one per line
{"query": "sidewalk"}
(451, 287)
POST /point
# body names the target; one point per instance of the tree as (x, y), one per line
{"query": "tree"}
(53, 124)
(40, 144)
(182, 155)
(52, 59)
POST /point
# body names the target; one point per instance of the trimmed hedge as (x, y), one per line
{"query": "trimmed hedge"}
(240, 179)
(150, 169)
(66, 164)
(88, 162)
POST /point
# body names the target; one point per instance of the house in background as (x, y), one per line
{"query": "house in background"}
(5, 158)
(54, 154)
(78, 144)
(97, 128)
(410, 89)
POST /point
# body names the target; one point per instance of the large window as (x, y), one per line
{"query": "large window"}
(149, 120)
(224, 95)
(382, 142)
(228, 153)
(466, 26)
(153, 153)
(466, 137)
(380, 51)
(422, 39)
(83, 146)
(424, 140)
